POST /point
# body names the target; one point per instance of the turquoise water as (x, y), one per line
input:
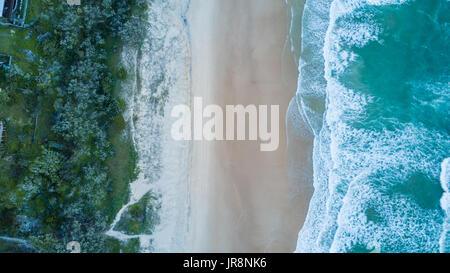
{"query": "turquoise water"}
(383, 136)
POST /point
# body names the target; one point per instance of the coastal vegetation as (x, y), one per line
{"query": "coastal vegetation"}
(140, 218)
(66, 157)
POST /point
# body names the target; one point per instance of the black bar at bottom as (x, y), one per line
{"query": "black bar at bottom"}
(216, 262)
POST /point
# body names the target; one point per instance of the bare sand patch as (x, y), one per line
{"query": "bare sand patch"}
(240, 196)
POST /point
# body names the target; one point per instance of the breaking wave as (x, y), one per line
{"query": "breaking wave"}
(374, 88)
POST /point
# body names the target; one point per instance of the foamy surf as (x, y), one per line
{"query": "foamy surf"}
(378, 150)
(445, 204)
(309, 104)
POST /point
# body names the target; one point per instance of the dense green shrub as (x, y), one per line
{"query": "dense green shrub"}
(55, 179)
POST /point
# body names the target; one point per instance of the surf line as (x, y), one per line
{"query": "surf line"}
(236, 117)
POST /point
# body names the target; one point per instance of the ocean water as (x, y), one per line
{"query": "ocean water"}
(374, 87)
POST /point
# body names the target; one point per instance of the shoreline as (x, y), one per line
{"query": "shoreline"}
(238, 57)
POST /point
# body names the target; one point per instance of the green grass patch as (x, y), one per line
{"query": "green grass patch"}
(140, 218)
(116, 246)
(122, 166)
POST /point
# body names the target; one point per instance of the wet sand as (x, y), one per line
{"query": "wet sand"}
(241, 198)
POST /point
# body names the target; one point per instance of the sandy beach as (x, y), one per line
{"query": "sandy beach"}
(241, 197)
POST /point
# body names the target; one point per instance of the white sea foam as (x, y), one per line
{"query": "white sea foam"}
(445, 204)
(311, 100)
(357, 170)
(311, 83)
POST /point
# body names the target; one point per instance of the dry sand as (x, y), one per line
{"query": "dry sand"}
(240, 196)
